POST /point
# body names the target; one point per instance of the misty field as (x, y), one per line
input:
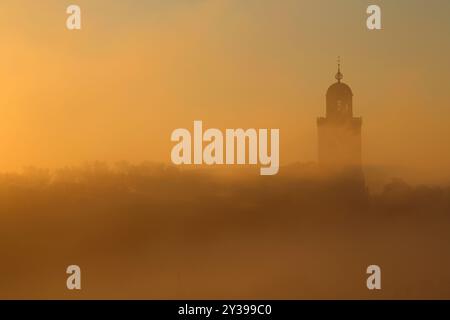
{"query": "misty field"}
(153, 231)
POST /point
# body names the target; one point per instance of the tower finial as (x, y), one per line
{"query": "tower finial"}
(339, 76)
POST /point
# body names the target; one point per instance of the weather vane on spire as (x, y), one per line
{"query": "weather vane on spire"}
(339, 76)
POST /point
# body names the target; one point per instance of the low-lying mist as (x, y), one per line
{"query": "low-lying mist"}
(155, 231)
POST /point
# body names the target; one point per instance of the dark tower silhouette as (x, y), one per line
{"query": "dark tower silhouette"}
(339, 131)
(340, 147)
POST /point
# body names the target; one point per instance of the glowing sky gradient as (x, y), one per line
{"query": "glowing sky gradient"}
(140, 69)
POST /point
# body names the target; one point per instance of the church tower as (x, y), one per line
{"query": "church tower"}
(339, 132)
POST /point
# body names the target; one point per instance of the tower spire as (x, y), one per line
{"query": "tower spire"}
(339, 76)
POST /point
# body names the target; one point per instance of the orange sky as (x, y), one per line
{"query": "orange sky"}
(139, 69)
